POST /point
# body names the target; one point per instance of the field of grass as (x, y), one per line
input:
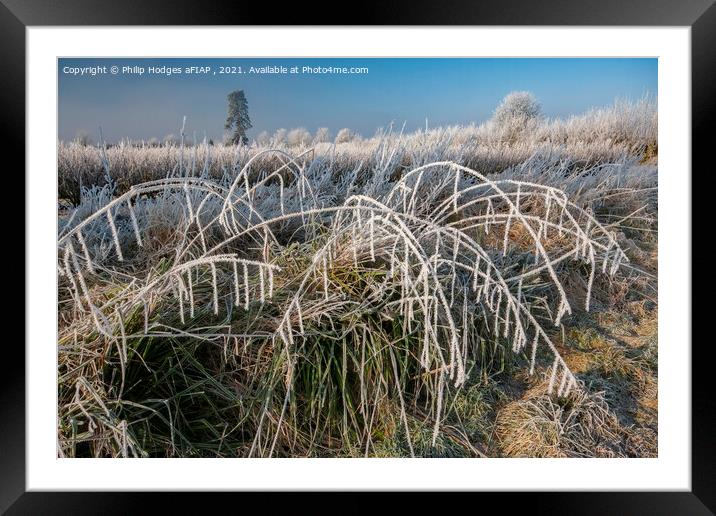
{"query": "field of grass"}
(479, 291)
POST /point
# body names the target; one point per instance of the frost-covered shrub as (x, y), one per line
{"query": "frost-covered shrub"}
(279, 137)
(519, 114)
(263, 138)
(299, 136)
(345, 135)
(518, 107)
(323, 135)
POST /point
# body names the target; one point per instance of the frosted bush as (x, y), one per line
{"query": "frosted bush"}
(517, 107)
(345, 135)
(323, 135)
(299, 136)
(263, 139)
(279, 137)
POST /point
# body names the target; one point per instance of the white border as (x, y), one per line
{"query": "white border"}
(672, 468)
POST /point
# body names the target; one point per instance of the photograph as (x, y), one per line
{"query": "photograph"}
(438, 248)
(414, 257)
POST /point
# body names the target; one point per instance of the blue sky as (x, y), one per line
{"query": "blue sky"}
(401, 90)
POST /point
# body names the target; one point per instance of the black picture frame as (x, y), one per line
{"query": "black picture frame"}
(17, 15)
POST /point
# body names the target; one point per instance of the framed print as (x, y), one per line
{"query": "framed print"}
(444, 250)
